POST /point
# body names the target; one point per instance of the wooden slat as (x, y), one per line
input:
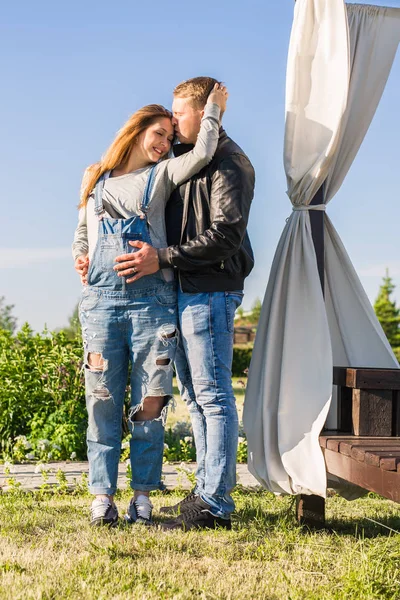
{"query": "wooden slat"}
(345, 447)
(383, 451)
(374, 458)
(359, 439)
(385, 483)
(333, 444)
(390, 463)
(358, 451)
(365, 378)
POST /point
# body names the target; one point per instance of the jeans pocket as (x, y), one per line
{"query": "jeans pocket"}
(109, 248)
(89, 300)
(168, 299)
(233, 300)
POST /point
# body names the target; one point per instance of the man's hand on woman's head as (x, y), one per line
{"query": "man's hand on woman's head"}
(219, 95)
(136, 264)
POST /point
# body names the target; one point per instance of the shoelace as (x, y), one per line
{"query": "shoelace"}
(188, 498)
(195, 510)
(99, 509)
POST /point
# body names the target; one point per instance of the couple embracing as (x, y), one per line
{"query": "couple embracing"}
(162, 249)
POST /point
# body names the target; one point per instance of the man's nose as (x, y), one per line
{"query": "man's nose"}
(174, 121)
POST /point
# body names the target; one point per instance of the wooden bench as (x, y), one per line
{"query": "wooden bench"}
(371, 463)
(365, 450)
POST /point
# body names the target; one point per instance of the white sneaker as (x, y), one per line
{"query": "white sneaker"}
(139, 511)
(103, 512)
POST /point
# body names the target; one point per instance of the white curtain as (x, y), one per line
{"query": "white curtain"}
(339, 61)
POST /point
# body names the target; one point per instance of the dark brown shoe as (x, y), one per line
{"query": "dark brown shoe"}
(197, 516)
(180, 507)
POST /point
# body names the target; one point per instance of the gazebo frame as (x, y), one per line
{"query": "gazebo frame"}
(365, 449)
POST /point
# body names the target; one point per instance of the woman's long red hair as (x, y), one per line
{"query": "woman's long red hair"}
(118, 153)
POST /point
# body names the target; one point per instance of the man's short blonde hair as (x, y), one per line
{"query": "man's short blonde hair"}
(197, 89)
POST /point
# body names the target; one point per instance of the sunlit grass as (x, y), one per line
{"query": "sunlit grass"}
(48, 550)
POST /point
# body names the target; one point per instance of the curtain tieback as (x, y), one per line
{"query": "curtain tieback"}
(310, 207)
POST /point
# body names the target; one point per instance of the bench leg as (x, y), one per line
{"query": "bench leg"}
(310, 511)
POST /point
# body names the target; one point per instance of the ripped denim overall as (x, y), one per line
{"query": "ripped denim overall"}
(125, 324)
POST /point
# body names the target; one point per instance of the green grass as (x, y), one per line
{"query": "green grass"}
(181, 412)
(48, 551)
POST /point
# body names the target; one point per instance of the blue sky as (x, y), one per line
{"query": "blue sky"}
(73, 73)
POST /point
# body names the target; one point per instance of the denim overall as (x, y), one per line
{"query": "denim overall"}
(125, 324)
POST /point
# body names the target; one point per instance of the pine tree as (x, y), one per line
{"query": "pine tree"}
(388, 313)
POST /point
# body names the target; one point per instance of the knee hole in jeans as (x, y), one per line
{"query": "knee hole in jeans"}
(95, 361)
(96, 364)
(151, 408)
(163, 361)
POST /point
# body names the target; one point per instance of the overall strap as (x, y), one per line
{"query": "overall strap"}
(98, 195)
(148, 189)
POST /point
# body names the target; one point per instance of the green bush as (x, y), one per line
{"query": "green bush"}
(42, 395)
(241, 360)
(42, 400)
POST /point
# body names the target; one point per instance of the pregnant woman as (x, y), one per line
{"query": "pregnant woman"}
(123, 199)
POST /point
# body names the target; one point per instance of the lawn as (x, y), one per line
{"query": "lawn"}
(48, 551)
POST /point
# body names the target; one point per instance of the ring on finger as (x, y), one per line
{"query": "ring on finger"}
(134, 270)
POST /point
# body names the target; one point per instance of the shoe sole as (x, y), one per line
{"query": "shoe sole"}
(104, 522)
(182, 527)
(139, 521)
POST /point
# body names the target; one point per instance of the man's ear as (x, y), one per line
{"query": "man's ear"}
(202, 113)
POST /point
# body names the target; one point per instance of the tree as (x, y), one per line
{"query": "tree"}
(388, 313)
(7, 319)
(239, 313)
(256, 310)
(73, 329)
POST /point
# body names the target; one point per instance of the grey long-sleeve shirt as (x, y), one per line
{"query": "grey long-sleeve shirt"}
(122, 195)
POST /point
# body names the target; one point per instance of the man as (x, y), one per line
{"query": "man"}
(209, 248)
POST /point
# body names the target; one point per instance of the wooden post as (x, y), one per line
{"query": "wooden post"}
(345, 421)
(369, 397)
(396, 413)
(372, 412)
(310, 510)
(317, 232)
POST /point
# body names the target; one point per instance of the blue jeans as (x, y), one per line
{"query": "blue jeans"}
(204, 368)
(139, 327)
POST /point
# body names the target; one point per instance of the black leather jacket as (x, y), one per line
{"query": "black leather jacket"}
(206, 221)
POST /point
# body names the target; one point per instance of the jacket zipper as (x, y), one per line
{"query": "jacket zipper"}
(184, 219)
